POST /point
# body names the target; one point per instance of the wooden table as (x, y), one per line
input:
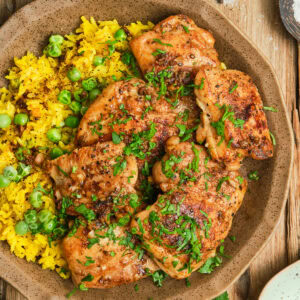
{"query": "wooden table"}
(260, 20)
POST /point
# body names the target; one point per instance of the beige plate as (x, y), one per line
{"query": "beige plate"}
(29, 28)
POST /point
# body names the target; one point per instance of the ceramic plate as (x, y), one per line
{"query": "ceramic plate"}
(29, 29)
(284, 286)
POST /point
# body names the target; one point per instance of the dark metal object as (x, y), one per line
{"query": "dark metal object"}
(288, 19)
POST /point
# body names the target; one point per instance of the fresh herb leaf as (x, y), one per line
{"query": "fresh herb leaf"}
(158, 51)
(87, 213)
(240, 179)
(210, 265)
(221, 181)
(115, 138)
(270, 108)
(224, 296)
(233, 88)
(161, 43)
(182, 129)
(253, 175)
(272, 138)
(186, 29)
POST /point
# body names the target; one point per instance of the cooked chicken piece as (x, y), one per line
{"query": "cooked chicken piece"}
(234, 124)
(101, 177)
(132, 111)
(186, 224)
(104, 258)
(177, 43)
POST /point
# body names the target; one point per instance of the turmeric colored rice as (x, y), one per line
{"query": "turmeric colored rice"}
(36, 82)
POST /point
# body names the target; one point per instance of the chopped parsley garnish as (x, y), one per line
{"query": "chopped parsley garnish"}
(220, 125)
(182, 129)
(187, 282)
(86, 212)
(233, 88)
(232, 238)
(270, 108)
(115, 138)
(148, 108)
(136, 288)
(167, 165)
(240, 179)
(92, 242)
(94, 198)
(89, 261)
(221, 181)
(158, 277)
(119, 166)
(272, 138)
(253, 175)
(224, 296)
(161, 43)
(196, 159)
(201, 86)
(238, 123)
(129, 60)
(74, 169)
(186, 29)
(229, 143)
(158, 51)
(210, 265)
(62, 171)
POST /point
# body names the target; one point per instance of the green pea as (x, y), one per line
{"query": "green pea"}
(80, 95)
(4, 181)
(5, 120)
(56, 152)
(98, 61)
(21, 228)
(30, 216)
(35, 199)
(72, 121)
(89, 84)
(56, 39)
(64, 97)
(75, 106)
(54, 135)
(93, 94)
(74, 74)
(120, 35)
(21, 119)
(53, 50)
(44, 216)
(49, 226)
(10, 173)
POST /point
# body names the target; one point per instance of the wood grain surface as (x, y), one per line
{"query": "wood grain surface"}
(259, 20)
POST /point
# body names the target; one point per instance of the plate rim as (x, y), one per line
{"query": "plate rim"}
(20, 20)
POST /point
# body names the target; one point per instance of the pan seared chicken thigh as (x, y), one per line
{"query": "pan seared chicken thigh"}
(101, 257)
(98, 178)
(186, 224)
(176, 43)
(234, 124)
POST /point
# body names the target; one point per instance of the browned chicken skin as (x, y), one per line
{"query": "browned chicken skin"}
(94, 176)
(178, 43)
(186, 224)
(230, 99)
(131, 107)
(109, 261)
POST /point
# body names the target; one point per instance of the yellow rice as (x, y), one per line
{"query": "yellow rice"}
(38, 81)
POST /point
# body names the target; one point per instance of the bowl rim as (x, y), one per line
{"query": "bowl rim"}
(18, 19)
(270, 282)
